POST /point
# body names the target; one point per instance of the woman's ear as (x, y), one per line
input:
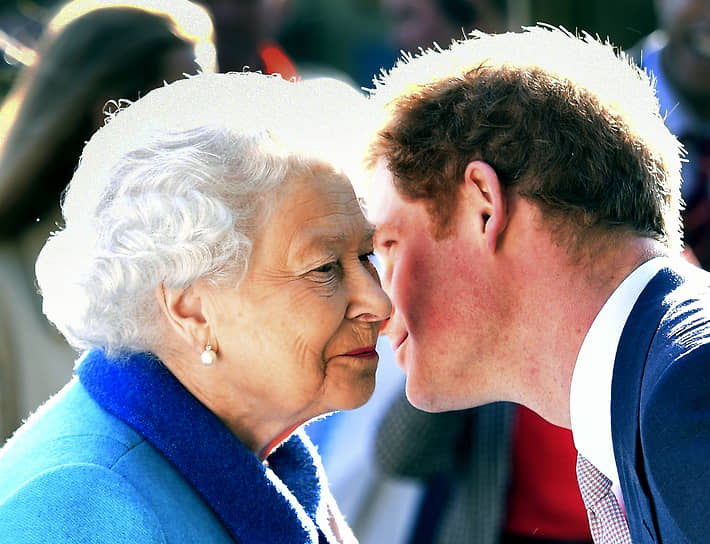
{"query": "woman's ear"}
(185, 313)
(482, 185)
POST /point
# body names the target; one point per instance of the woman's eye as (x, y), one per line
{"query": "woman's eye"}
(328, 268)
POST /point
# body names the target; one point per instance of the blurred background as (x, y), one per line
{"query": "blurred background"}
(399, 476)
(353, 36)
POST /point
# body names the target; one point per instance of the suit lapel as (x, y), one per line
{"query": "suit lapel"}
(629, 367)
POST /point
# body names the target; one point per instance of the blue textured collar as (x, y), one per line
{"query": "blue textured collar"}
(281, 503)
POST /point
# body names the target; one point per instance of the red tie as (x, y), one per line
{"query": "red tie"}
(606, 520)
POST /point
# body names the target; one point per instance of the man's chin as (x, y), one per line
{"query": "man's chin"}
(429, 396)
(425, 397)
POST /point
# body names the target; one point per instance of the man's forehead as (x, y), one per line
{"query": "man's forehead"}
(381, 193)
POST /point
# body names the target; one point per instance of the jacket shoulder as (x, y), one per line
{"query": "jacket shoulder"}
(660, 406)
(71, 503)
(74, 454)
(675, 429)
(69, 428)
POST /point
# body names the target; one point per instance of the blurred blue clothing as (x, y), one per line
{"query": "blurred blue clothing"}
(679, 119)
(126, 454)
(379, 508)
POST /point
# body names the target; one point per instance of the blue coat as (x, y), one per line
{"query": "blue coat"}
(124, 454)
(660, 409)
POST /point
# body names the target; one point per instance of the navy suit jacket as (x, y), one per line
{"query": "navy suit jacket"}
(660, 409)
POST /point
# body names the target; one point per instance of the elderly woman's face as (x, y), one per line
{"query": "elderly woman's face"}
(299, 331)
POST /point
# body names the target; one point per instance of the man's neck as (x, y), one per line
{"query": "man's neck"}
(561, 305)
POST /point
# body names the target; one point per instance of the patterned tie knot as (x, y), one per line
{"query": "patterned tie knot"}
(593, 485)
(606, 520)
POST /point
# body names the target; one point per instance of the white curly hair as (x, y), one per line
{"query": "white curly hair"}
(173, 187)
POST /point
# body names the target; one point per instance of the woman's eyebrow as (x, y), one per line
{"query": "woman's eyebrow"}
(314, 240)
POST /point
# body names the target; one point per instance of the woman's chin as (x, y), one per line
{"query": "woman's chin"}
(357, 395)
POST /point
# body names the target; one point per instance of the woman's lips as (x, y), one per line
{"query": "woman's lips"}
(362, 353)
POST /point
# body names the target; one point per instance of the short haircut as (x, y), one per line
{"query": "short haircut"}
(173, 189)
(564, 121)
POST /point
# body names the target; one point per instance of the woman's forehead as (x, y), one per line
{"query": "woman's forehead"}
(319, 211)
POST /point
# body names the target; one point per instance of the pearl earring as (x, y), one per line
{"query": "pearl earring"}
(208, 357)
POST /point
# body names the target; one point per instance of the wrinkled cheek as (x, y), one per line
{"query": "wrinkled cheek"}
(349, 383)
(302, 351)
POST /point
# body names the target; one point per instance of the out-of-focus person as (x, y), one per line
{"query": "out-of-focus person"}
(18, 35)
(416, 24)
(91, 53)
(214, 266)
(497, 473)
(245, 33)
(678, 56)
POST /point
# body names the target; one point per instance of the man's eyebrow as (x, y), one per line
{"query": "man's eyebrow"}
(388, 226)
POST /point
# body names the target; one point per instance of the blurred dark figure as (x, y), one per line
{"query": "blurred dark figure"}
(343, 39)
(90, 53)
(495, 474)
(678, 55)
(244, 34)
(421, 23)
(19, 28)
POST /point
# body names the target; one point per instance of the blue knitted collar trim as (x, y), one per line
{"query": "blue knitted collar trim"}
(278, 503)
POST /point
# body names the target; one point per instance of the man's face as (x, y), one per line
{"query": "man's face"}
(445, 311)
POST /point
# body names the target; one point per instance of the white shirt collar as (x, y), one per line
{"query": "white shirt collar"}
(590, 393)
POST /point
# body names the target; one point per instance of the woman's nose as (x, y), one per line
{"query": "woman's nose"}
(369, 301)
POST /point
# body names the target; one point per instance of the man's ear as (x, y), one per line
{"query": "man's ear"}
(482, 185)
(185, 313)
